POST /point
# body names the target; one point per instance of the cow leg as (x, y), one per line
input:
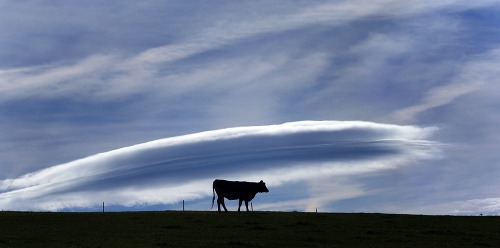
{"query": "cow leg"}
(246, 205)
(224, 205)
(220, 200)
(239, 204)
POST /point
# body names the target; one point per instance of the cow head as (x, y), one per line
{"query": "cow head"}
(262, 187)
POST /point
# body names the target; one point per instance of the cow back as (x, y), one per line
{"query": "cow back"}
(236, 189)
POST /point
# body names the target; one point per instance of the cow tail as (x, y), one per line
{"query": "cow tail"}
(213, 199)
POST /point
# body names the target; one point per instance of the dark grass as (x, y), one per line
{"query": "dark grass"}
(256, 229)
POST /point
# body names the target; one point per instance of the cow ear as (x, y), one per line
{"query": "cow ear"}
(261, 181)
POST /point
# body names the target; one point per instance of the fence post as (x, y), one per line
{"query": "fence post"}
(182, 205)
(103, 207)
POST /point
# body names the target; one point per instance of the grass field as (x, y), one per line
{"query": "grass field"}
(256, 229)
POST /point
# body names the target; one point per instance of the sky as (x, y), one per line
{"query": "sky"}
(341, 106)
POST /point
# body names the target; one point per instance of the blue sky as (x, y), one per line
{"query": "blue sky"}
(388, 106)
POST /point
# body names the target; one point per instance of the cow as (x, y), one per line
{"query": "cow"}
(232, 190)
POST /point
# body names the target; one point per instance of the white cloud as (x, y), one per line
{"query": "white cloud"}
(478, 206)
(172, 169)
(472, 77)
(488, 206)
(125, 75)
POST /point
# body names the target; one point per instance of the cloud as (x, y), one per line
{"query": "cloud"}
(172, 169)
(129, 73)
(474, 206)
(320, 192)
(487, 206)
(119, 74)
(476, 74)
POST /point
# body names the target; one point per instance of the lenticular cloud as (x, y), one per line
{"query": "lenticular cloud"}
(169, 170)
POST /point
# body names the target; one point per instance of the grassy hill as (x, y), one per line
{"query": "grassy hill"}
(256, 229)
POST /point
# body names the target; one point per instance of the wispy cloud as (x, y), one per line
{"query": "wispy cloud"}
(172, 169)
(473, 76)
(488, 206)
(118, 74)
(320, 193)
(474, 206)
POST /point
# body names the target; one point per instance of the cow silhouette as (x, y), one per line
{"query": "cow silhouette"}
(232, 190)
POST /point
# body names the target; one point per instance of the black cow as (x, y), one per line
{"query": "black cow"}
(232, 190)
